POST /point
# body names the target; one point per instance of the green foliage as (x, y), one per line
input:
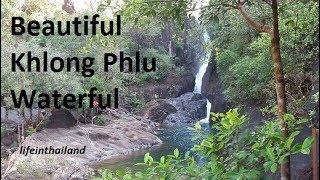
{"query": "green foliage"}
(243, 62)
(230, 152)
(271, 144)
(150, 35)
(136, 102)
(143, 9)
(101, 120)
(228, 124)
(244, 59)
(164, 65)
(30, 130)
(170, 167)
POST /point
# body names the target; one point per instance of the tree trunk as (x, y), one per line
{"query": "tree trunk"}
(278, 69)
(31, 114)
(280, 83)
(315, 154)
(22, 131)
(22, 124)
(19, 135)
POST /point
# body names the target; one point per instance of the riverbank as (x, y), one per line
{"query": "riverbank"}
(123, 134)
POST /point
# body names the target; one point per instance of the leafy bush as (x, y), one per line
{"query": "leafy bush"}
(230, 152)
(136, 102)
(244, 59)
(164, 64)
(100, 120)
(173, 166)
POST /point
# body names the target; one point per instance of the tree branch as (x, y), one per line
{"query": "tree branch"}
(208, 6)
(268, 2)
(260, 27)
(230, 5)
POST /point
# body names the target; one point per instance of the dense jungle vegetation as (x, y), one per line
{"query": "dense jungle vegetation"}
(244, 52)
(148, 35)
(246, 37)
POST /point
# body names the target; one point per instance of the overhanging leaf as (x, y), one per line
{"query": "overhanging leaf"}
(306, 145)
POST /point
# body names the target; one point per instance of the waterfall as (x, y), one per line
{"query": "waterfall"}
(205, 60)
(202, 69)
(199, 77)
(207, 118)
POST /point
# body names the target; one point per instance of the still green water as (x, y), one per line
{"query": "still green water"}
(178, 136)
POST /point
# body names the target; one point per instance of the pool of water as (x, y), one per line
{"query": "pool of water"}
(178, 136)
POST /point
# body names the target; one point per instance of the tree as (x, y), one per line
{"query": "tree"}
(273, 31)
(280, 83)
(178, 9)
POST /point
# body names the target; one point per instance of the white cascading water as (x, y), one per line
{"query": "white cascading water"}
(199, 77)
(205, 61)
(202, 69)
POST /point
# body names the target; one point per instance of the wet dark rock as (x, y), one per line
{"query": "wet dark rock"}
(173, 86)
(213, 90)
(190, 107)
(187, 108)
(159, 110)
(61, 118)
(8, 138)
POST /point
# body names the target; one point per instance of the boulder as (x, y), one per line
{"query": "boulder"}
(212, 88)
(61, 118)
(159, 110)
(187, 108)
